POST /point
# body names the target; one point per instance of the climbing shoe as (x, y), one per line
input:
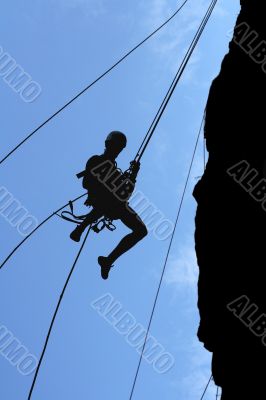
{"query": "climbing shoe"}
(105, 266)
(76, 234)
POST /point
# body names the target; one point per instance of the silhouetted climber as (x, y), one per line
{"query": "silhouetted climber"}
(108, 192)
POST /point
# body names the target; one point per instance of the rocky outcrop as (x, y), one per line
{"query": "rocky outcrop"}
(230, 232)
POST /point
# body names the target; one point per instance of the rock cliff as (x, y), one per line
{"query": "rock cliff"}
(231, 214)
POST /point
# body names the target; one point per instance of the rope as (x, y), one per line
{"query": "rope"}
(204, 154)
(165, 263)
(175, 81)
(37, 228)
(54, 316)
(206, 388)
(156, 119)
(204, 142)
(93, 83)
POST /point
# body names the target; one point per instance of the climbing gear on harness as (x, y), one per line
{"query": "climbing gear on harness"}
(132, 172)
(97, 226)
(76, 219)
(105, 222)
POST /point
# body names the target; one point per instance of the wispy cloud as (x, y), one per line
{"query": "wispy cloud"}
(183, 268)
(172, 39)
(172, 43)
(92, 8)
(181, 278)
(197, 378)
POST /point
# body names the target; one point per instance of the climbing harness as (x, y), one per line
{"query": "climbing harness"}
(105, 222)
(97, 226)
(70, 216)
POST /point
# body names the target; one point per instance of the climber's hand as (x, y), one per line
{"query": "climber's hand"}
(135, 166)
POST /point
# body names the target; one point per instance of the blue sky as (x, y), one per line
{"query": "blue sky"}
(64, 45)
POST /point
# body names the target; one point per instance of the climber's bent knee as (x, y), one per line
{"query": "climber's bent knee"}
(142, 230)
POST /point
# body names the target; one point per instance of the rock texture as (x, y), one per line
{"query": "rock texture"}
(230, 232)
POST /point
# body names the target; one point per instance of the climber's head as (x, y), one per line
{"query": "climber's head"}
(115, 142)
